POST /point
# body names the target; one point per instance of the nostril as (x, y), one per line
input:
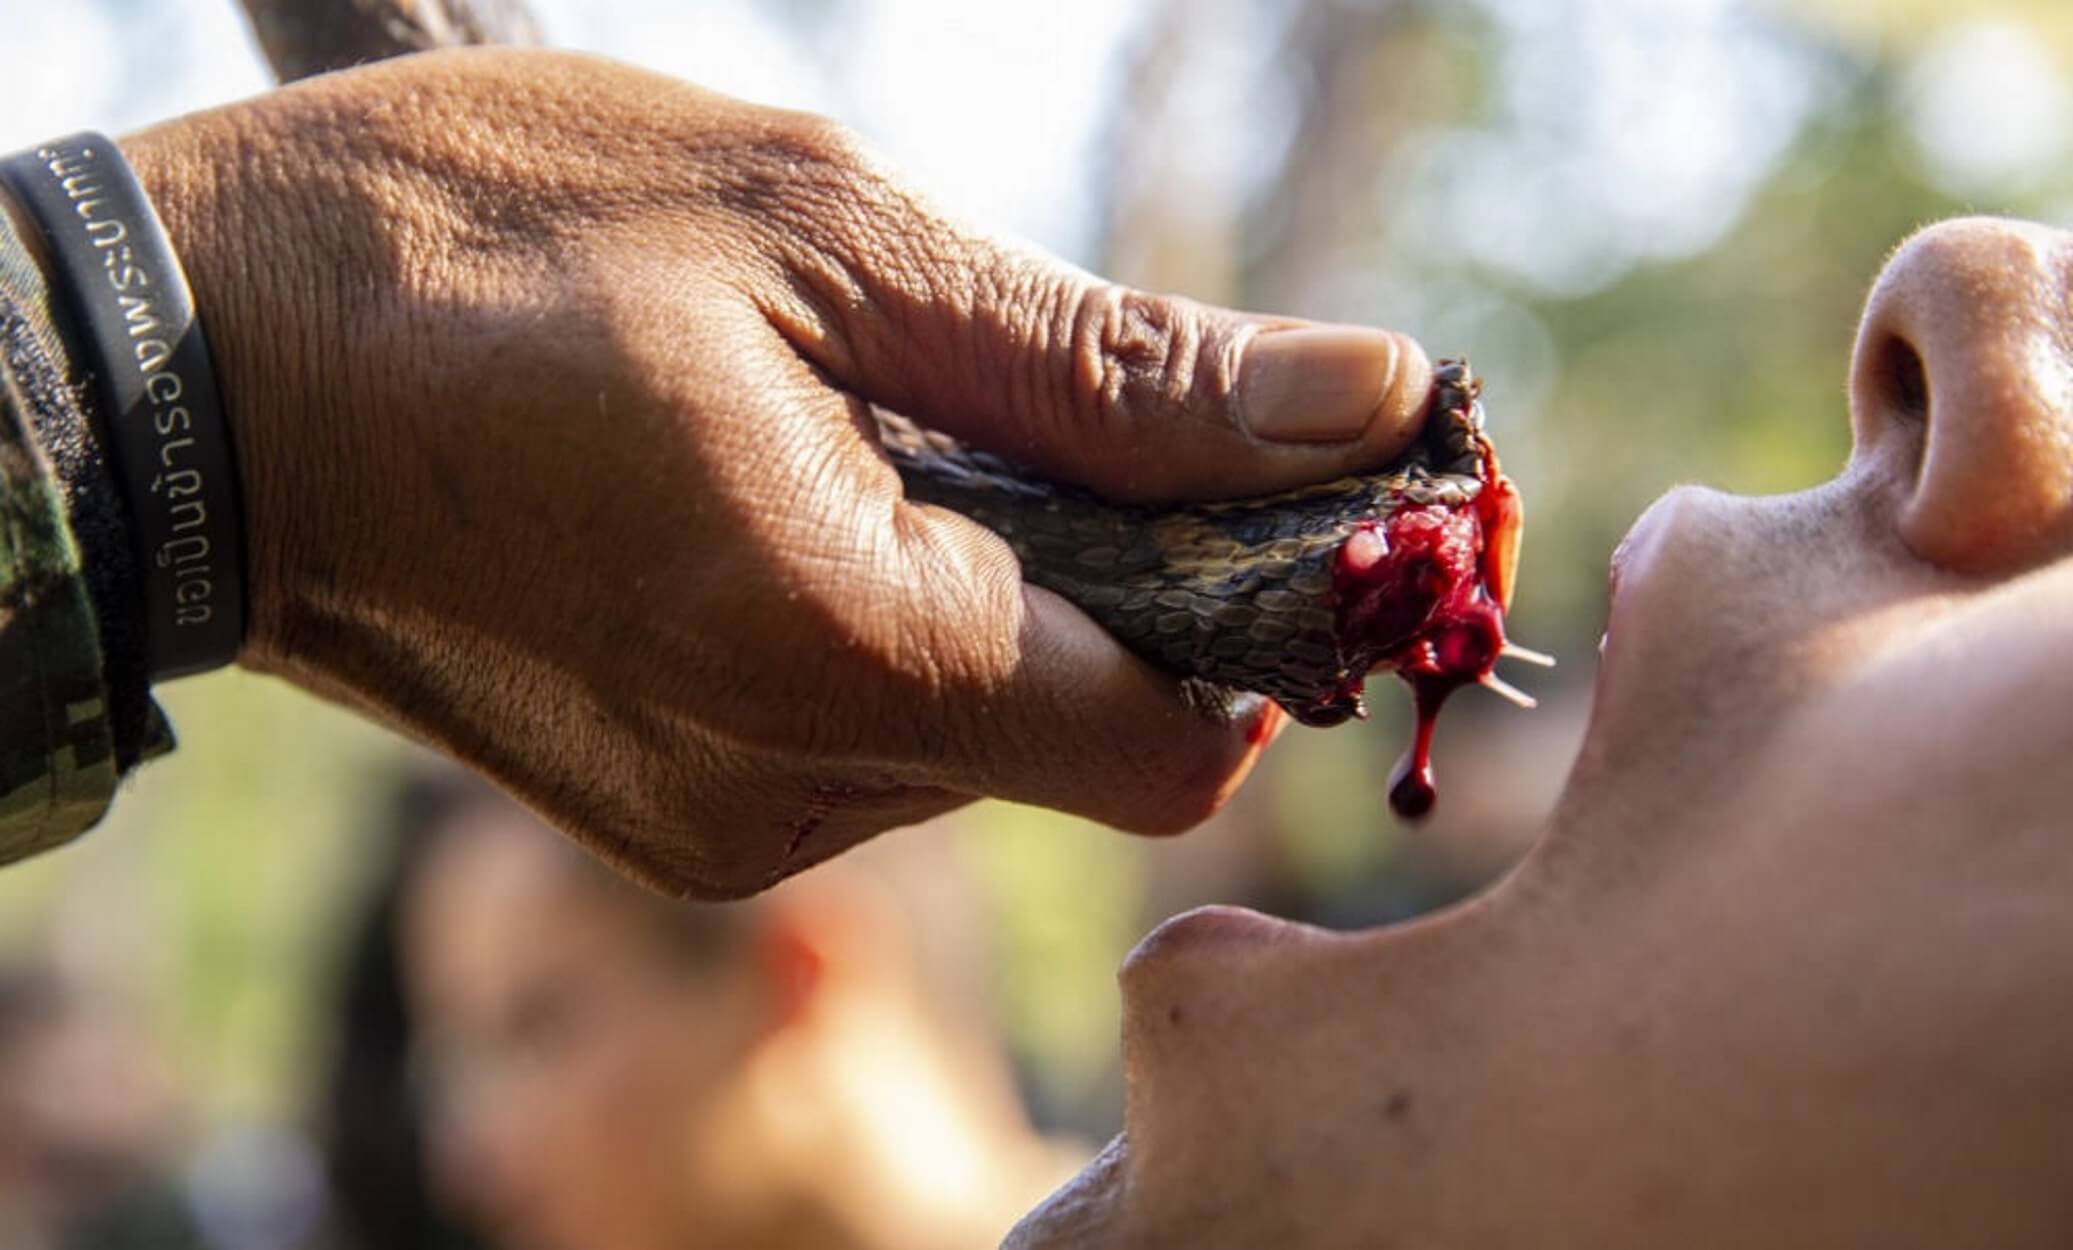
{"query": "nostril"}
(1902, 380)
(1962, 395)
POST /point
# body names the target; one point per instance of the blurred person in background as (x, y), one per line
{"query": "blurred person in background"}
(89, 1126)
(599, 1067)
(1688, 1007)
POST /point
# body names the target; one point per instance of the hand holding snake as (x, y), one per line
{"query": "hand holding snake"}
(560, 433)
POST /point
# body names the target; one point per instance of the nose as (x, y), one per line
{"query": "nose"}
(1964, 374)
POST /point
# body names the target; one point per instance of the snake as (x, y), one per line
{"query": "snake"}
(1299, 595)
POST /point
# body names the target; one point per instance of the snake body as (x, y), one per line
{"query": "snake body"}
(1237, 594)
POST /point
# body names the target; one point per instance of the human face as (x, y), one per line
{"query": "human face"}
(578, 1071)
(1792, 964)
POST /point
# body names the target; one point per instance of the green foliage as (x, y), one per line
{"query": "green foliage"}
(1065, 898)
(215, 892)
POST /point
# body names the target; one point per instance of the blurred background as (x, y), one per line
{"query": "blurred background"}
(1650, 224)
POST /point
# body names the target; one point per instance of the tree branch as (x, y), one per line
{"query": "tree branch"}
(304, 37)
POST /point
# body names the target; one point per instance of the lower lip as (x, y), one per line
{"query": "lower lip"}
(1630, 561)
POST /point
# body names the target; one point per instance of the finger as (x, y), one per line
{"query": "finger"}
(1137, 395)
(1040, 705)
(1115, 740)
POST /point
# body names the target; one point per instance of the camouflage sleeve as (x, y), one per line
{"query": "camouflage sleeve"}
(57, 750)
(58, 759)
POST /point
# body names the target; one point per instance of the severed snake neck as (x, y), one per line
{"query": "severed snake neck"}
(1298, 596)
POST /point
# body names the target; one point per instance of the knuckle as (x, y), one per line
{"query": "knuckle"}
(798, 174)
(812, 140)
(865, 254)
(1134, 358)
(1102, 375)
(1149, 348)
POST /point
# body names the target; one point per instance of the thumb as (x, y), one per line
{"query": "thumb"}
(1135, 395)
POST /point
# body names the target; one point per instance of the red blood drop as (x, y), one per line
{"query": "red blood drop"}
(1411, 789)
(1423, 594)
(1420, 606)
(1411, 792)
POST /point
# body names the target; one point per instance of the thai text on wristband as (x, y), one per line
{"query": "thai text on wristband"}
(163, 418)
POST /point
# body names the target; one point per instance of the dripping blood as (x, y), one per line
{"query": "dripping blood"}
(1415, 597)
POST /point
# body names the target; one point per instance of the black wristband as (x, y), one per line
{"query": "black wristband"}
(164, 420)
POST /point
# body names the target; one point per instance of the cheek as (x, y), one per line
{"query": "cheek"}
(607, 1132)
(644, 1086)
(670, 1086)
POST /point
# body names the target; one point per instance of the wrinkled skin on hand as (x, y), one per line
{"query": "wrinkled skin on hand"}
(551, 385)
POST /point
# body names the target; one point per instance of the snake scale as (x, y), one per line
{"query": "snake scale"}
(1297, 596)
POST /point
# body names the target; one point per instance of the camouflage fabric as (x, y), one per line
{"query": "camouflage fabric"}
(57, 753)
(57, 749)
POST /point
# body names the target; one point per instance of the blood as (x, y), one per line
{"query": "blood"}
(1411, 789)
(1415, 596)
(1265, 725)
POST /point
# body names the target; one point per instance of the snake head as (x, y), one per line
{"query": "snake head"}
(1300, 595)
(1424, 592)
(1457, 400)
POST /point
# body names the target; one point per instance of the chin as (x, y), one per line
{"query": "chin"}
(1084, 1214)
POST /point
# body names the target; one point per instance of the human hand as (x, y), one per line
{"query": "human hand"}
(551, 385)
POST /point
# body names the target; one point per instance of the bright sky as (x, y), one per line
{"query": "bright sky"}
(1990, 108)
(1640, 126)
(1665, 113)
(990, 108)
